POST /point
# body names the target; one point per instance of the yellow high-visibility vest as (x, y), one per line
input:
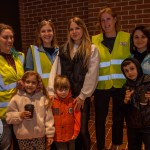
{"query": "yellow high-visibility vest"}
(41, 64)
(110, 74)
(8, 78)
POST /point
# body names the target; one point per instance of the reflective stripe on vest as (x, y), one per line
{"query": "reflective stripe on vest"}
(112, 62)
(112, 76)
(21, 59)
(38, 64)
(4, 87)
(3, 104)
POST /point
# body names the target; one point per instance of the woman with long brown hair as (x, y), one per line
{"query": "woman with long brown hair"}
(78, 59)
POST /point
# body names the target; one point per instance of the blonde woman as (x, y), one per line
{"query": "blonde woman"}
(78, 59)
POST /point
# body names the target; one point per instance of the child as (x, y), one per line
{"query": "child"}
(31, 132)
(67, 121)
(137, 100)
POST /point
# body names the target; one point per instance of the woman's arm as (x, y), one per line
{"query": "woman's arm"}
(56, 69)
(91, 77)
(29, 65)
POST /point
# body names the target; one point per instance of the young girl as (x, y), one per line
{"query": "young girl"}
(31, 132)
(67, 121)
(137, 100)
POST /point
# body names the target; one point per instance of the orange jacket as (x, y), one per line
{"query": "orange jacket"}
(66, 120)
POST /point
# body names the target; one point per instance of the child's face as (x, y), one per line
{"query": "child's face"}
(62, 93)
(30, 84)
(130, 71)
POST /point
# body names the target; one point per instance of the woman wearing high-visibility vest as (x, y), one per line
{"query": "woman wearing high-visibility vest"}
(11, 70)
(114, 47)
(41, 55)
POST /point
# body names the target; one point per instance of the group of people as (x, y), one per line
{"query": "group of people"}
(59, 81)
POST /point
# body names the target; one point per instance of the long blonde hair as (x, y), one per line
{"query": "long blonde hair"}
(84, 49)
(38, 40)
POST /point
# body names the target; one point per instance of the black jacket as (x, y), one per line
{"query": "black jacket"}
(73, 69)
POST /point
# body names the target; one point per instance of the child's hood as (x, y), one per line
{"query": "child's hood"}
(138, 67)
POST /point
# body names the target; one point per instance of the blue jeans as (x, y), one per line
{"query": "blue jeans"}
(6, 137)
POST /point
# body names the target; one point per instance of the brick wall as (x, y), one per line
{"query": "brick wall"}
(130, 12)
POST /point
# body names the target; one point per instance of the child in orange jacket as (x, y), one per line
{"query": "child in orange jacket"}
(67, 121)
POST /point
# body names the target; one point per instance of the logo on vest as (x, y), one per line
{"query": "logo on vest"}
(123, 43)
(70, 110)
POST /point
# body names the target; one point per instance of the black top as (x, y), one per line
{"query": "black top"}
(140, 56)
(109, 42)
(50, 50)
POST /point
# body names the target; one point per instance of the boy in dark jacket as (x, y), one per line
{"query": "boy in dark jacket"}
(137, 101)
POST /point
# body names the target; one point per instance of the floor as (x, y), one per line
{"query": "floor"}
(108, 131)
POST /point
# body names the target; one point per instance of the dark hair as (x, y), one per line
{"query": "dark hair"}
(146, 32)
(127, 61)
(61, 82)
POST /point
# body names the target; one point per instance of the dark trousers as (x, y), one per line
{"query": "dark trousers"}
(70, 145)
(102, 98)
(83, 141)
(136, 137)
(6, 139)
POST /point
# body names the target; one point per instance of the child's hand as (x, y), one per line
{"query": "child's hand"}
(128, 96)
(147, 96)
(74, 137)
(49, 141)
(25, 114)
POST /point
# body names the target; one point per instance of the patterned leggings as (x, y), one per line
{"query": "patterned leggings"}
(32, 144)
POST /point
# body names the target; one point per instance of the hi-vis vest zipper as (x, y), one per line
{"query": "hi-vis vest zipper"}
(41, 64)
(110, 74)
(8, 78)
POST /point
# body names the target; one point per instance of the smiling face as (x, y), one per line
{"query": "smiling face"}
(46, 34)
(140, 41)
(130, 71)
(6, 40)
(76, 33)
(30, 84)
(108, 22)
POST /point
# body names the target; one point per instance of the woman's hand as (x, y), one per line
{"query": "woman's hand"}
(128, 96)
(79, 103)
(51, 97)
(147, 96)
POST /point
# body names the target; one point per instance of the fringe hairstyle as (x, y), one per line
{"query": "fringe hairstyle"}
(84, 49)
(38, 40)
(146, 32)
(61, 82)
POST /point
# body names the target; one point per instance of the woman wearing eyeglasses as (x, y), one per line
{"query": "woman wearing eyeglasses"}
(11, 70)
(41, 55)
